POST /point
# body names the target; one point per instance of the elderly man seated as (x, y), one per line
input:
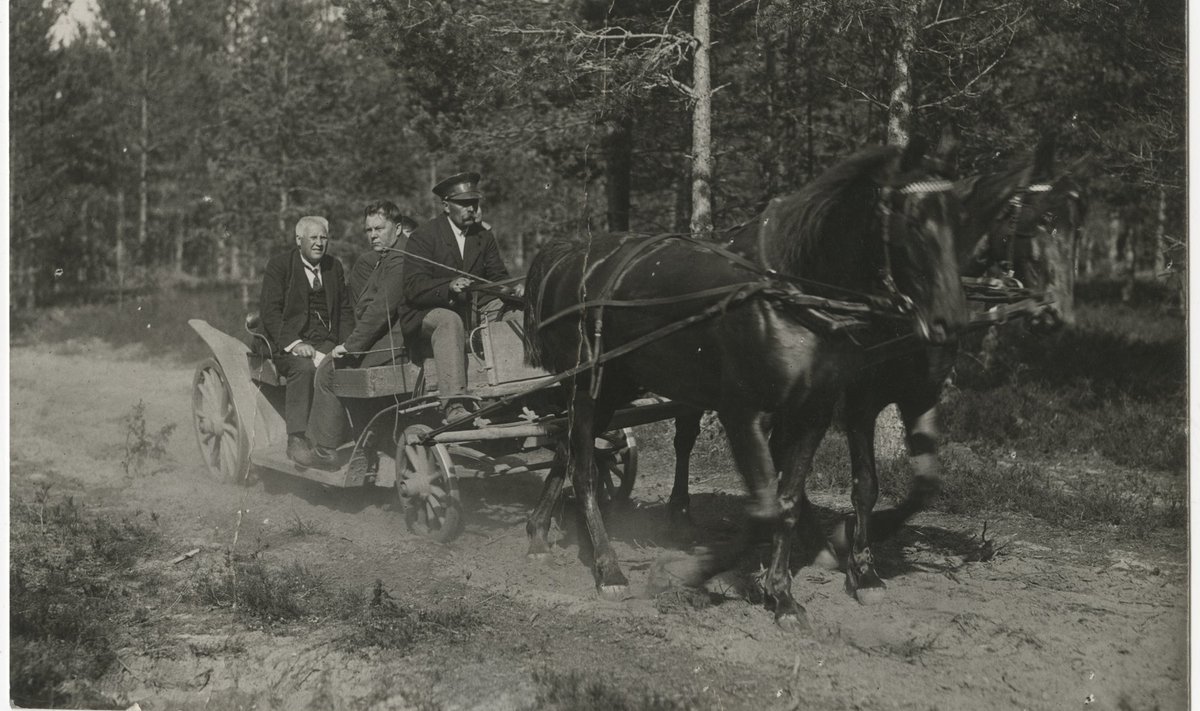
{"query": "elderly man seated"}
(305, 308)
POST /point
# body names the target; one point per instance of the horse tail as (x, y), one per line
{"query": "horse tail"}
(535, 282)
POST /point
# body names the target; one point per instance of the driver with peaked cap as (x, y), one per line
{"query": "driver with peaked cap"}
(437, 306)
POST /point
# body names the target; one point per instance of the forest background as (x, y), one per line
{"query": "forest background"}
(174, 143)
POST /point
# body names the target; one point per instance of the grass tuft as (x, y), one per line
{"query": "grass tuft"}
(257, 592)
(71, 584)
(384, 623)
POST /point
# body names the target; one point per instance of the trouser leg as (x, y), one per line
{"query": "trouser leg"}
(298, 398)
(444, 329)
(327, 418)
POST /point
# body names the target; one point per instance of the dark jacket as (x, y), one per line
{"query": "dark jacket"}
(283, 306)
(361, 272)
(375, 313)
(427, 287)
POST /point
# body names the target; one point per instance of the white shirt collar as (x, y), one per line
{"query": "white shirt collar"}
(459, 236)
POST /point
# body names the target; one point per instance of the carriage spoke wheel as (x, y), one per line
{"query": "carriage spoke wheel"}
(428, 487)
(224, 443)
(616, 464)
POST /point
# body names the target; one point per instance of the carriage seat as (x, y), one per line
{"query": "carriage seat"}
(262, 368)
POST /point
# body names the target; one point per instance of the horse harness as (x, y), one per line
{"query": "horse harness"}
(1009, 298)
(832, 315)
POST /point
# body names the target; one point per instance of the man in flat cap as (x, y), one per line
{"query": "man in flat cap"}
(445, 253)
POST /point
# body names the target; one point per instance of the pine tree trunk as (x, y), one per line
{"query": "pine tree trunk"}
(683, 200)
(1114, 242)
(702, 160)
(1160, 233)
(1130, 265)
(85, 228)
(900, 106)
(771, 137)
(178, 259)
(618, 165)
(143, 164)
(120, 243)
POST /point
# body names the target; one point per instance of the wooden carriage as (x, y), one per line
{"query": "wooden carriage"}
(398, 437)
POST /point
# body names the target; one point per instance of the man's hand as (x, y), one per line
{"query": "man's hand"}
(304, 350)
(458, 285)
(338, 350)
(518, 289)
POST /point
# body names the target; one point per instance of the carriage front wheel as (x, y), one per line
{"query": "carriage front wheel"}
(616, 463)
(224, 443)
(427, 486)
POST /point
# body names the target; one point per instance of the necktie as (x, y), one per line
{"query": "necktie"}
(316, 278)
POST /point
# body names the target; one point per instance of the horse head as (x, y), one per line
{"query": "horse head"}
(1034, 238)
(920, 214)
(1046, 244)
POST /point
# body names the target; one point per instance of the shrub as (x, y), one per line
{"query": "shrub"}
(257, 592)
(385, 623)
(70, 588)
(141, 445)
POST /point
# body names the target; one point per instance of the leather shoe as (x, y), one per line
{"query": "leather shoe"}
(324, 458)
(302, 452)
(298, 448)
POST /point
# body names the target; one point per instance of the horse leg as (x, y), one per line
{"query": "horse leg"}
(679, 517)
(862, 580)
(610, 581)
(920, 424)
(794, 444)
(537, 527)
(752, 456)
(748, 444)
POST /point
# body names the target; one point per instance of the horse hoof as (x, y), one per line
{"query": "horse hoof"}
(538, 557)
(613, 593)
(794, 623)
(870, 596)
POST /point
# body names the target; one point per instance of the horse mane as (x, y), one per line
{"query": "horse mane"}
(794, 230)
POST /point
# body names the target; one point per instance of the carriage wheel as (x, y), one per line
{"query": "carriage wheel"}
(616, 463)
(224, 444)
(428, 487)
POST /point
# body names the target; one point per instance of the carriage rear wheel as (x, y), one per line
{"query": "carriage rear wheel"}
(224, 443)
(616, 463)
(428, 487)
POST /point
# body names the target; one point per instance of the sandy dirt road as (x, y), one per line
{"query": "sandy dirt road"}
(1057, 620)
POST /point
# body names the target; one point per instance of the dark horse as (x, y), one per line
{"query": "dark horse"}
(1020, 223)
(1011, 229)
(876, 224)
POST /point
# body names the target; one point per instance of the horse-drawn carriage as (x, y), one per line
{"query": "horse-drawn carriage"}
(398, 437)
(773, 324)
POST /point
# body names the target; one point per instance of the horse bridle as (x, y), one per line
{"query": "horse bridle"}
(917, 187)
(1017, 204)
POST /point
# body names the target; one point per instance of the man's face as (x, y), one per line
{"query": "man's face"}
(463, 213)
(382, 233)
(312, 241)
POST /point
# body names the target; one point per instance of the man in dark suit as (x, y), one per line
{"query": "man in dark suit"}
(377, 279)
(377, 282)
(446, 253)
(306, 309)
